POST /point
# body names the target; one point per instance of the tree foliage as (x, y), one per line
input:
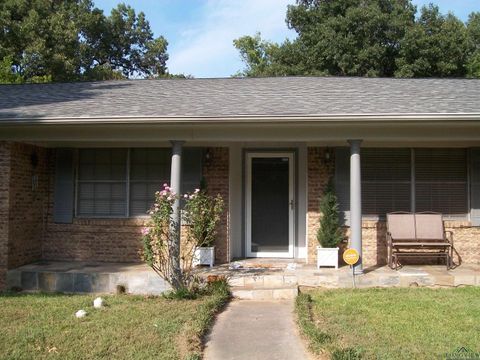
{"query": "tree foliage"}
(367, 38)
(65, 40)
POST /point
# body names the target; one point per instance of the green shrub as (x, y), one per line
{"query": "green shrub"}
(329, 233)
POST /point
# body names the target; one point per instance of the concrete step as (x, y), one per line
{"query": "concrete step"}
(263, 281)
(277, 293)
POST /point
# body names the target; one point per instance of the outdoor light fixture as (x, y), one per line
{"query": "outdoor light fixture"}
(327, 154)
(208, 156)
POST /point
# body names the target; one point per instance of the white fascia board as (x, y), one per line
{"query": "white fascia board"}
(246, 119)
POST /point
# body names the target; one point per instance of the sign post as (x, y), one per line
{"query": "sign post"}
(351, 257)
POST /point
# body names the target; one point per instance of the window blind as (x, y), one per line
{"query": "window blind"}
(441, 181)
(149, 170)
(102, 182)
(386, 180)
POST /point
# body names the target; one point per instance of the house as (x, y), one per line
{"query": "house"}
(80, 162)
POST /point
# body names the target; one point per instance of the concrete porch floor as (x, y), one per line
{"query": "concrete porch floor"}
(279, 278)
(86, 277)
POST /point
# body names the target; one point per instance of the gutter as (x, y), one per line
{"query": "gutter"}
(246, 119)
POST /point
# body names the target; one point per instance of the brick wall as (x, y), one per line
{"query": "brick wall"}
(28, 203)
(23, 204)
(109, 240)
(320, 170)
(216, 172)
(4, 209)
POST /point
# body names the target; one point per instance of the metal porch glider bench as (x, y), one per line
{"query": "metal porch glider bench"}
(417, 235)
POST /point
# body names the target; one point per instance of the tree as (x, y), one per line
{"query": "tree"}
(367, 38)
(264, 58)
(473, 40)
(342, 37)
(72, 40)
(351, 37)
(435, 46)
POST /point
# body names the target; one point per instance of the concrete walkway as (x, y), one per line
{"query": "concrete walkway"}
(263, 330)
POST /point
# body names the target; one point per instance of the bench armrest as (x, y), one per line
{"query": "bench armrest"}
(449, 236)
(389, 239)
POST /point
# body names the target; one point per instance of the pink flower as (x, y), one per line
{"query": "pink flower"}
(167, 188)
(191, 197)
(145, 231)
(197, 191)
(169, 198)
(165, 185)
(163, 193)
(185, 196)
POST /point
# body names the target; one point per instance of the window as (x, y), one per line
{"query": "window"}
(123, 182)
(441, 181)
(386, 180)
(149, 170)
(102, 181)
(439, 176)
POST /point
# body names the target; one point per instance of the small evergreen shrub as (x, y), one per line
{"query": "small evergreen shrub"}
(329, 234)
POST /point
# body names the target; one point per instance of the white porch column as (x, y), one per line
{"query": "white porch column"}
(175, 186)
(356, 202)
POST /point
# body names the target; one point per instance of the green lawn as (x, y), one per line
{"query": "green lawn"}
(38, 326)
(410, 323)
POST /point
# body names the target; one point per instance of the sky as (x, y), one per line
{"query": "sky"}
(200, 32)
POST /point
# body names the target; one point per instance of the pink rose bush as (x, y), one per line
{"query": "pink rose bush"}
(201, 215)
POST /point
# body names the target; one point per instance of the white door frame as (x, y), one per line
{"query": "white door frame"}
(291, 205)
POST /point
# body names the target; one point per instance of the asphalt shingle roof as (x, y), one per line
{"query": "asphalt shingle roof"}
(282, 96)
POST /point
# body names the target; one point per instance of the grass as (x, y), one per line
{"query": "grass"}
(41, 326)
(414, 323)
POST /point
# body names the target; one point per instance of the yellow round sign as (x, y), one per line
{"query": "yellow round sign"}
(351, 256)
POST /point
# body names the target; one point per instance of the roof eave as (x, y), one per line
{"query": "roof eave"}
(243, 119)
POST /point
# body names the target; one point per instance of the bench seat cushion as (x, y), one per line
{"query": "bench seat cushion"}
(421, 244)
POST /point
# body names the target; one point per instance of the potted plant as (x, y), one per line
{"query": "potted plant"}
(202, 214)
(329, 233)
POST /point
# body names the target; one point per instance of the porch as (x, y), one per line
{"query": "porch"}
(86, 277)
(249, 278)
(259, 279)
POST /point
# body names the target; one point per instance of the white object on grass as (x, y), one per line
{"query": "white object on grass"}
(81, 313)
(98, 303)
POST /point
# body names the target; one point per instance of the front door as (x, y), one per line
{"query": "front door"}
(270, 205)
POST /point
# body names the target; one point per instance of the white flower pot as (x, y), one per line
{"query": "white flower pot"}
(327, 257)
(204, 256)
